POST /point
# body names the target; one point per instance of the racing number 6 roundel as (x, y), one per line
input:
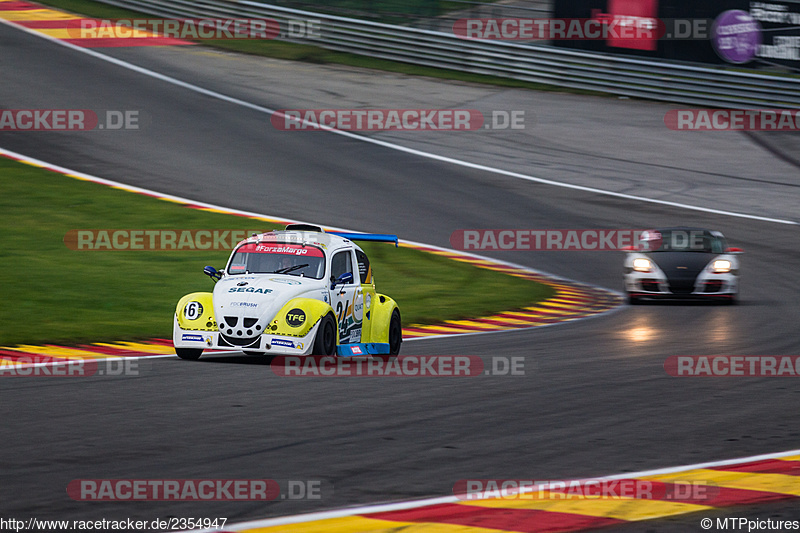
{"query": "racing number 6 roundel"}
(193, 310)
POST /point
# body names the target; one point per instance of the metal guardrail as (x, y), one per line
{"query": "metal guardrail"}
(625, 76)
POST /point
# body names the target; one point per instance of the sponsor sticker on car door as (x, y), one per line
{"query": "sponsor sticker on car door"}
(346, 299)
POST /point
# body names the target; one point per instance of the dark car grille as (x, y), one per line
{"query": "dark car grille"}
(713, 286)
(681, 286)
(233, 341)
(249, 322)
(650, 285)
(232, 321)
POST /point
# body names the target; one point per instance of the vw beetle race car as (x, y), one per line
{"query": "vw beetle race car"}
(682, 263)
(301, 291)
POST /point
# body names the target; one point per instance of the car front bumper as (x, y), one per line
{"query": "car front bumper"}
(265, 343)
(705, 287)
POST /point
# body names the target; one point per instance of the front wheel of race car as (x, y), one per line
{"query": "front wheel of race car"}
(325, 341)
(191, 354)
(395, 333)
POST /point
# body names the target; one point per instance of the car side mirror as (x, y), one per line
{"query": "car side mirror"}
(734, 251)
(344, 279)
(212, 272)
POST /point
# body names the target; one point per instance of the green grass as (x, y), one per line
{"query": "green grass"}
(315, 54)
(54, 294)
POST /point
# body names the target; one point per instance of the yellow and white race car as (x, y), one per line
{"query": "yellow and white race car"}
(301, 291)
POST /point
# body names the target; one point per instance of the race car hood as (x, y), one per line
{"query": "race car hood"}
(242, 302)
(681, 265)
(681, 268)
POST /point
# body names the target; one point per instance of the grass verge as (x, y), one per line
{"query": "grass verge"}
(55, 294)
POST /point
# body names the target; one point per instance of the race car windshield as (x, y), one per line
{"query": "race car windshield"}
(278, 258)
(682, 241)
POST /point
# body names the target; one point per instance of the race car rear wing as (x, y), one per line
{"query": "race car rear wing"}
(375, 237)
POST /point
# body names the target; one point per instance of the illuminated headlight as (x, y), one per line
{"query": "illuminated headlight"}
(642, 265)
(720, 266)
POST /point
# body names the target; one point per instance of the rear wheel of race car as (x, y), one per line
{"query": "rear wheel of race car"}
(191, 354)
(395, 333)
(325, 341)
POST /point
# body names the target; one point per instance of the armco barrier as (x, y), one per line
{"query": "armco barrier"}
(624, 76)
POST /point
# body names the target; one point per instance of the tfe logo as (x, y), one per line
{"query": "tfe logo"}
(295, 317)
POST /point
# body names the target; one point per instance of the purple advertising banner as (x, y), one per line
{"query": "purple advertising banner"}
(736, 36)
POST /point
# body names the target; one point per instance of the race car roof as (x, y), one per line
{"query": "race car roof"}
(321, 239)
(688, 228)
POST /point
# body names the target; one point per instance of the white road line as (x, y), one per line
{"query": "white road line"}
(392, 146)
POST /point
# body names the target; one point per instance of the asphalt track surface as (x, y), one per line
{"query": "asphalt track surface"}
(594, 400)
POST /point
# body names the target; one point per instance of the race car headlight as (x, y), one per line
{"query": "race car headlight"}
(642, 265)
(721, 266)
